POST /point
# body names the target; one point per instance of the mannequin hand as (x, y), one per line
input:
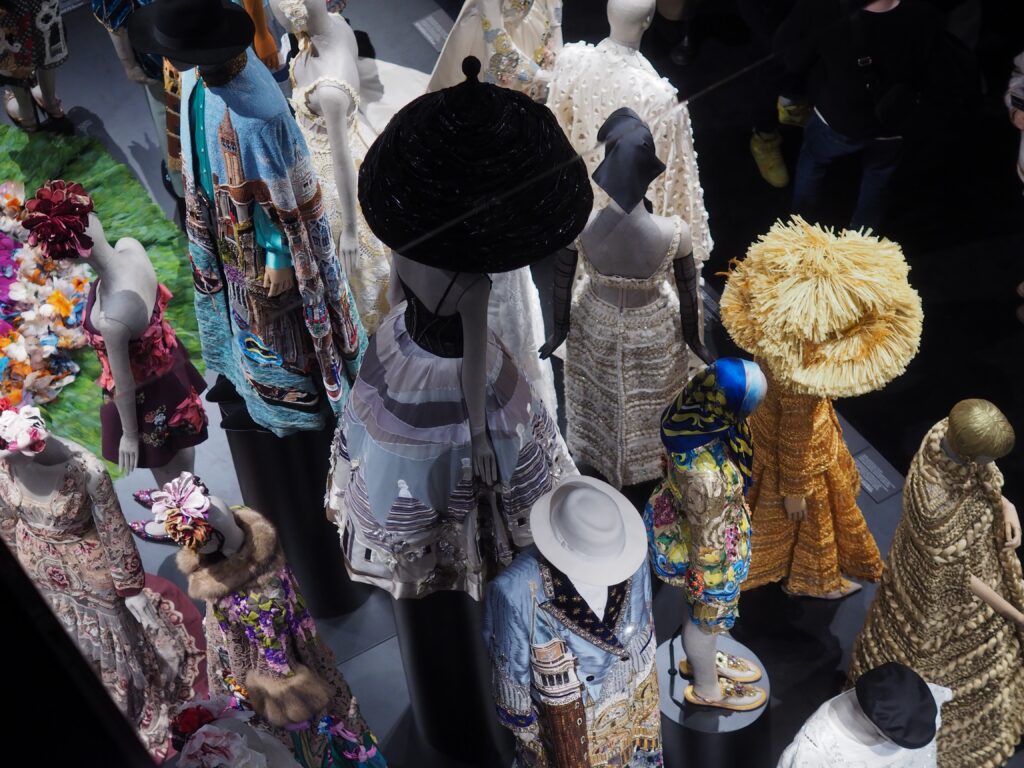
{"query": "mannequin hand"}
(348, 249)
(128, 454)
(485, 465)
(140, 607)
(543, 75)
(272, 61)
(796, 508)
(1017, 118)
(553, 343)
(1011, 525)
(278, 281)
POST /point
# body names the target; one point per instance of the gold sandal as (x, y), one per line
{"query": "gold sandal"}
(732, 667)
(750, 697)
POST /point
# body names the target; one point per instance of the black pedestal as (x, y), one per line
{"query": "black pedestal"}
(448, 673)
(285, 479)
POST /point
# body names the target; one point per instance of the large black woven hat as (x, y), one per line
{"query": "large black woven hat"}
(474, 178)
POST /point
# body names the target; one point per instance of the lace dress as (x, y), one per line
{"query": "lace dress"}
(589, 83)
(368, 278)
(622, 367)
(526, 37)
(78, 550)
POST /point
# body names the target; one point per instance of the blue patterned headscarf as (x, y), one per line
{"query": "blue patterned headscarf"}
(714, 405)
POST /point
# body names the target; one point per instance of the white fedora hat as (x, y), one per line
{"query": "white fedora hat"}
(589, 531)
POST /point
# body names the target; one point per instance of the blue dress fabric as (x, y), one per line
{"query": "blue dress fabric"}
(283, 354)
(540, 631)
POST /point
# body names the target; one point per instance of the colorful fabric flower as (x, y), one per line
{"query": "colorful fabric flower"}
(182, 505)
(664, 512)
(57, 219)
(23, 430)
(189, 416)
(213, 747)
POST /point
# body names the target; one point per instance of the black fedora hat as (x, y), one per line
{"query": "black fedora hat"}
(200, 32)
(899, 703)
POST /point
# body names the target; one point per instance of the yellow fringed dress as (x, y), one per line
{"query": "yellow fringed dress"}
(799, 451)
(925, 615)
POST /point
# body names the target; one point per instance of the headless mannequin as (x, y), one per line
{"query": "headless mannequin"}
(468, 297)
(223, 521)
(125, 293)
(41, 477)
(333, 52)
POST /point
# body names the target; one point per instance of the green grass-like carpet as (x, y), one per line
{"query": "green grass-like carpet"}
(126, 210)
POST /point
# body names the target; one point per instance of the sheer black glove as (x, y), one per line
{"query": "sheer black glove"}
(565, 274)
(689, 307)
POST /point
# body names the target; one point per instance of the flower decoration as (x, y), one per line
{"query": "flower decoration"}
(190, 416)
(182, 506)
(23, 430)
(57, 219)
(12, 198)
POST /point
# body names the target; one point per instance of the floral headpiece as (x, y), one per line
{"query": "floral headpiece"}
(296, 13)
(182, 505)
(57, 219)
(22, 429)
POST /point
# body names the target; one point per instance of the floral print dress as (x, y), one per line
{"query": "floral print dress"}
(698, 528)
(263, 649)
(78, 550)
(167, 397)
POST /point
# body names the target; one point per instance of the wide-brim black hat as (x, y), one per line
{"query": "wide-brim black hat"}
(200, 32)
(899, 703)
(474, 178)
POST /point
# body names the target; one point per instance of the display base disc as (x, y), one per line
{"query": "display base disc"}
(705, 719)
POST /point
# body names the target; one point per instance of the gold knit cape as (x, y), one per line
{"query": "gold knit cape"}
(925, 616)
(832, 315)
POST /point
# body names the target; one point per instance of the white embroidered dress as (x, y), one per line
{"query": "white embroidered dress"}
(589, 83)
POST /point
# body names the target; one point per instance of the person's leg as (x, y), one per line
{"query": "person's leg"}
(881, 158)
(822, 146)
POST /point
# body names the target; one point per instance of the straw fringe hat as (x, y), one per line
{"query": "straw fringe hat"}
(832, 315)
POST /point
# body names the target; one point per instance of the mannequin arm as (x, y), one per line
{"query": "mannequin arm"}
(263, 42)
(565, 274)
(689, 305)
(113, 532)
(995, 601)
(336, 105)
(8, 522)
(796, 432)
(117, 338)
(517, 69)
(472, 308)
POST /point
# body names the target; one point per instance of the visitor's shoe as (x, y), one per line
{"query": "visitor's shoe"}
(732, 667)
(738, 697)
(795, 113)
(767, 152)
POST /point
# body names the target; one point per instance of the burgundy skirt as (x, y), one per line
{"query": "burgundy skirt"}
(170, 414)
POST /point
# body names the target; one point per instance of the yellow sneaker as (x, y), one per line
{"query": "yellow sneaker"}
(793, 114)
(767, 152)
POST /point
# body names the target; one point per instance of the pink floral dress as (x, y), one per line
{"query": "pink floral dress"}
(78, 550)
(168, 405)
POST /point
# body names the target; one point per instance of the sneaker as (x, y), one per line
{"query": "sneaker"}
(767, 152)
(793, 114)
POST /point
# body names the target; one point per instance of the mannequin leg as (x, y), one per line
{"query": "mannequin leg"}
(20, 108)
(701, 648)
(183, 461)
(48, 92)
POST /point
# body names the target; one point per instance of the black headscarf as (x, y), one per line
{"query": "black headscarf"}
(630, 162)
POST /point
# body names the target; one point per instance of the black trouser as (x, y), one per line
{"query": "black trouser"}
(770, 80)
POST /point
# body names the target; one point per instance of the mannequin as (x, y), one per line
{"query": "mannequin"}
(263, 644)
(589, 82)
(626, 352)
(273, 304)
(951, 602)
(34, 46)
(151, 387)
(59, 513)
(699, 526)
(890, 720)
(517, 41)
(577, 688)
(325, 82)
(826, 315)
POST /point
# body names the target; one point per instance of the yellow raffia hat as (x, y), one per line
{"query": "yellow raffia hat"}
(832, 315)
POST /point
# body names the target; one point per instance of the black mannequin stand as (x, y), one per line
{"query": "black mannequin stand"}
(448, 674)
(285, 478)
